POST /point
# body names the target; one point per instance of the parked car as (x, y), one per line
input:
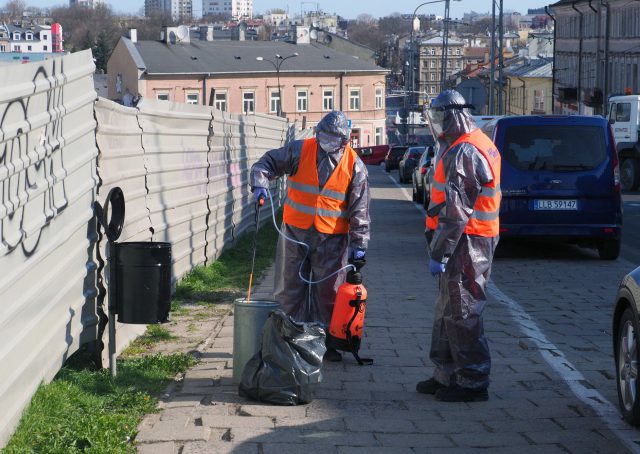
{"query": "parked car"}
(625, 346)
(482, 120)
(560, 178)
(373, 155)
(417, 178)
(408, 163)
(393, 157)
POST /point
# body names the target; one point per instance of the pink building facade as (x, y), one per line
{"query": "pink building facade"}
(307, 93)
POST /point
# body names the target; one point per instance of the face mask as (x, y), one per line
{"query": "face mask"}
(330, 143)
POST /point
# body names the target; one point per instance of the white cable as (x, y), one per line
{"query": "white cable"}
(307, 249)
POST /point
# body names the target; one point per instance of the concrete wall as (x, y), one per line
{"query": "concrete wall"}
(184, 173)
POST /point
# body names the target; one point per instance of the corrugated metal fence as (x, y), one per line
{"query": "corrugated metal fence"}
(184, 173)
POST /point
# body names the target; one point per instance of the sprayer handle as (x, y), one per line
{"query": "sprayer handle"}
(358, 263)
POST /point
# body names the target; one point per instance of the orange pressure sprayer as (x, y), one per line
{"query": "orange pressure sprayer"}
(347, 321)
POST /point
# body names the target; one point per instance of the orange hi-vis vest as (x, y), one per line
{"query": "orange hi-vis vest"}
(325, 208)
(485, 220)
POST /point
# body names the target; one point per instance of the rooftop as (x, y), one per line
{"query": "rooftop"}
(233, 57)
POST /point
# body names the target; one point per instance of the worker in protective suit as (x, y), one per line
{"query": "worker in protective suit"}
(462, 235)
(327, 208)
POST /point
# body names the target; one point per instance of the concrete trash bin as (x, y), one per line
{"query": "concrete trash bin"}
(248, 321)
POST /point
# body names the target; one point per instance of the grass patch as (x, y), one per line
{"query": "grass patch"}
(153, 335)
(86, 410)
(228, 277)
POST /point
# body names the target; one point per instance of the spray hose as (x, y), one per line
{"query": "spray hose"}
(307, 249)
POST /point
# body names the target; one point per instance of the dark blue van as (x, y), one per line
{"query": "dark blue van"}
(560, 179)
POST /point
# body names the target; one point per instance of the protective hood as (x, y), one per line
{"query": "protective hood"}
(449, 117)
(332, 132)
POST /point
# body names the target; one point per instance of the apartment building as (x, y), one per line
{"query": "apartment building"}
(87, 3)
(428, 61)
(597, 53)
(300, 81)
(235, 9)
(179, 9)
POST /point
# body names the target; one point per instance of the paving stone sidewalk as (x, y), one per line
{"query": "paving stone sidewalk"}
(375, 409)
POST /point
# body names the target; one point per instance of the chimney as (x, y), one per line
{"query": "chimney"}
(206, 33)
(133, 35)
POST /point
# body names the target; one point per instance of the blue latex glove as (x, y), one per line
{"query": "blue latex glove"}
(260, 193)
(356, 253)
(436, 267)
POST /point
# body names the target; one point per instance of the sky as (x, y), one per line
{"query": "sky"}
(349, 9)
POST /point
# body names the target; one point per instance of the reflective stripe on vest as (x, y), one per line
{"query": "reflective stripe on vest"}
(307, 204)
(484, 220)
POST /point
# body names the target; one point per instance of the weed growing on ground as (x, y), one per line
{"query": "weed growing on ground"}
(228, 277)
(86, 410)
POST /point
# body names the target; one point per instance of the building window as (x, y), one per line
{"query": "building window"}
(538, 97)
(220, 101)
(432, 51)
(434, 76)
(29, 37)
(378, 136)
(17, 49)
(28, 47)
(192, 97)
(16, 36)
(433, 64)
(301, 100)
(327, 99)
(274, 101)
(458, 51)
(248, 102)
(379, 98)
(433, 89)
(354, 99)
(162, 95)
(3, 48)
(45, 48)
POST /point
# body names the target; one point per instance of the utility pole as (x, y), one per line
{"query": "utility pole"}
(445, 46)
(500, 59)
(492, 70)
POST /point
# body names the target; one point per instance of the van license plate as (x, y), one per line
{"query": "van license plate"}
(555, 204)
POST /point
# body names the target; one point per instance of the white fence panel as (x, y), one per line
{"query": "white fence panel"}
(121, 163)
(175, 142)
(47, 188)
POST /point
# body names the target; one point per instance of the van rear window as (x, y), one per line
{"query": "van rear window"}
(554, 147)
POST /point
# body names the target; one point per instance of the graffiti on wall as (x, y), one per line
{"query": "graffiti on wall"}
(32, 171)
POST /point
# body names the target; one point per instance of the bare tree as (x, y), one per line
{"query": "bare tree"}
(89, 28)
(15, 9)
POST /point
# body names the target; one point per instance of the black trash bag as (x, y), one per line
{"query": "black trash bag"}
(286, 371)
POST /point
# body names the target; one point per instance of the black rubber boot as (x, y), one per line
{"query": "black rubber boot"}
(458, 394)
(429, 386)
(332, 355)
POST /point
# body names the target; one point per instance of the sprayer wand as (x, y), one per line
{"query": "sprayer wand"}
(259, 204)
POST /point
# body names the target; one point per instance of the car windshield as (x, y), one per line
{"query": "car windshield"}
(416, 152)
(554, 147)
(398, 151)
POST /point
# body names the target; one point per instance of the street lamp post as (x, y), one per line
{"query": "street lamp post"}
(413, 19)
(279, 60)
(411, 91)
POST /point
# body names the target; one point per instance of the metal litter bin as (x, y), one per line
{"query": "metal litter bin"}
(142, 281)
(248, 321)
